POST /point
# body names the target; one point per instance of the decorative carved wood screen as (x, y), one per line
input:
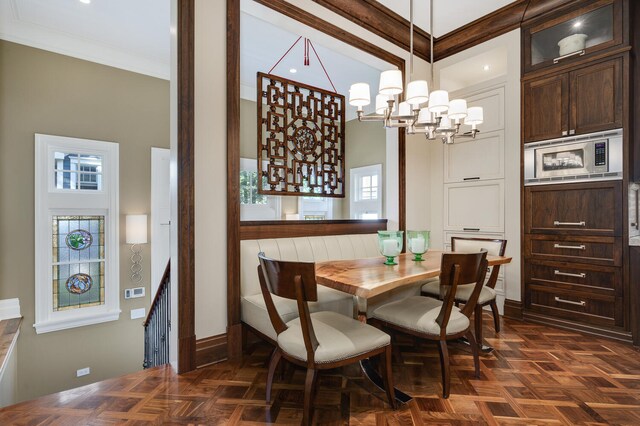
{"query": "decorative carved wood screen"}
(300, 138)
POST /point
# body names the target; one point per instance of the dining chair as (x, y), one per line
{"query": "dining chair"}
(488, 293)
(319, 340)
(440, 320)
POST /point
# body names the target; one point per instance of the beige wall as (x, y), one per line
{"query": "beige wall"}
(43, 92)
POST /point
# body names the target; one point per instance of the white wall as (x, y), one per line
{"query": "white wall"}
(510, 75)
(210, 154)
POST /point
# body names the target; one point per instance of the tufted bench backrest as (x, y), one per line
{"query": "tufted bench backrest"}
(301, 249)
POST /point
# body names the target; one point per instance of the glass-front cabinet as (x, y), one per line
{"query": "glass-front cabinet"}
(596, 26)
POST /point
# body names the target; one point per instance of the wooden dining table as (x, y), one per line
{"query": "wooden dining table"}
(371, 277)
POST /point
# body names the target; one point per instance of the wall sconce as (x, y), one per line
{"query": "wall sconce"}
(136, 234)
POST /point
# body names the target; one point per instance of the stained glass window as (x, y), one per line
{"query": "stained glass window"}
(78, 261)
(78, 171)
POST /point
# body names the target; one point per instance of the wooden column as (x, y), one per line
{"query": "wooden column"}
(186, 217)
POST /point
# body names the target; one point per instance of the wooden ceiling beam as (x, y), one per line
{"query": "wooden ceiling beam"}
(382, 21)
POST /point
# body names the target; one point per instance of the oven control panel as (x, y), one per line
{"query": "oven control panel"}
(600, 154)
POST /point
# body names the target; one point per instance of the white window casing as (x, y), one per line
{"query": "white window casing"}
(51, 201)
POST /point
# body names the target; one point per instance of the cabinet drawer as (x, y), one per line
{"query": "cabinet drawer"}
(595, 250)
(574, 209)
(579, 277)
(574, 306)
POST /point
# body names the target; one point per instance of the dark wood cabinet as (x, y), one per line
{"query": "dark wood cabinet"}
(596, 97)
(573, 256)
(600, 22)
(574, 209)
(586, 100)
(634, 284)
(606, 251)
(545, 104)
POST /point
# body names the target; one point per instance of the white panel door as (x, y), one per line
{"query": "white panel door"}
(481, 158)
(474, 206)
(160, 215)
(492, 102)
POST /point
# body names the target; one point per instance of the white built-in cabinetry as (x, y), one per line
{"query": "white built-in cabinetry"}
(474, 175)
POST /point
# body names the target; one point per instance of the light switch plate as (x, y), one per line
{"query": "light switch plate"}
(138, 313)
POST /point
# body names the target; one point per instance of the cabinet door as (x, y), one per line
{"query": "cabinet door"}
(474, 207)
(475, 159)
(546, 102)
(596, 97)
(574, 209)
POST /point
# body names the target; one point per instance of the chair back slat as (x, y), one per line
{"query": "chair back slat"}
(280, 277)
(456, 269)
(468, 266)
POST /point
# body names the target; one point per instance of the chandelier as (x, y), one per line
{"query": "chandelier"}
(421, 112)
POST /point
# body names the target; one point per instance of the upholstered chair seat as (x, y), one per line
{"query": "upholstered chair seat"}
(339, 337)
(487, 294)
(419, 314)
(254, 308)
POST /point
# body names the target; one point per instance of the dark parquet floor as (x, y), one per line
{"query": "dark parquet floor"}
(536, 375)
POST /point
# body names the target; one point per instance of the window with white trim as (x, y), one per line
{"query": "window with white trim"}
(76, 232)
(255, 206)
(366, 192)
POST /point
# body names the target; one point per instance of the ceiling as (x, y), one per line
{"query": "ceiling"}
(448, 14)
(129, 34)
(134, 35)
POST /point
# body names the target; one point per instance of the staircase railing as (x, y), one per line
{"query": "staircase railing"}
(158, 324)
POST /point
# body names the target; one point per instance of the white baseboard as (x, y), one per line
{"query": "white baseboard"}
(9, 308)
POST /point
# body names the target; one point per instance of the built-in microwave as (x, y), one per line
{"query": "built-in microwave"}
(596, 156)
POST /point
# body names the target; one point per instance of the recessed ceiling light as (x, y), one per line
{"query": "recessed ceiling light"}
(486, 68)
(85, 1)
(577, 24)
(293, 70)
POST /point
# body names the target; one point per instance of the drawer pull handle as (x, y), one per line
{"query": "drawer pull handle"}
(558, 223)
(472, 178)
(569, 274)
(570, 302)
(580, 247)
(471, 229)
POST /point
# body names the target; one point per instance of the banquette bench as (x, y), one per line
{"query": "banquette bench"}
(304, 249)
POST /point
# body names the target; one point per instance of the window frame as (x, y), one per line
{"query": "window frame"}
(356, 203)
(273, 204)
(51, 201)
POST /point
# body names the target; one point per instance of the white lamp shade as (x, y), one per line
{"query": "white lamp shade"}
(438, 101)
(390, 82)
(424, 116)
(382, 103)
(404, 108)
(359, 94)
(445, 122)
(417, 92)
(136, 229)
(474, 116)
(457, 109)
